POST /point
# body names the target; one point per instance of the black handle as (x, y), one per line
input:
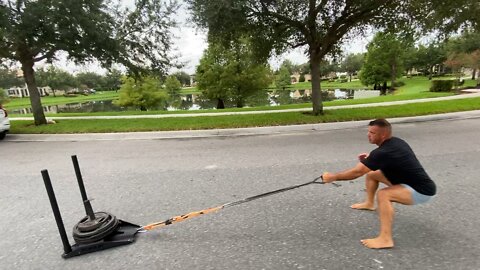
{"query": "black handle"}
(86, 201)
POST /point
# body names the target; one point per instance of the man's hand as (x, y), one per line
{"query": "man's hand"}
(362, 156)
(328, 177)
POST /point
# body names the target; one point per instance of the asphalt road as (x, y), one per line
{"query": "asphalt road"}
(147, 180)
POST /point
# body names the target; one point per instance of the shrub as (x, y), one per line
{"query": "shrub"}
(441, 86)
(398, 84)
(458, 82)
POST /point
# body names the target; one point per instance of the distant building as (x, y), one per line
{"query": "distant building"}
(20, 92)
(193, 82)
(295, 78)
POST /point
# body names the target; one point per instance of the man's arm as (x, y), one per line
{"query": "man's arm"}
(355, 172)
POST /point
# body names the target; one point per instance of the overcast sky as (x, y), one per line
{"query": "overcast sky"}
(190, 44)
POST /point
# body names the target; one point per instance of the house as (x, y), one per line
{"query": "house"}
(20, 92)
(295, 77)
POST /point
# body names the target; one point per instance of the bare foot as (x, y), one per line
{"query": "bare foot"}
(363, 206)
(377, 243)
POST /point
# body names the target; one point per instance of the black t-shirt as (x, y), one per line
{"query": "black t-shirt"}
(398, 163)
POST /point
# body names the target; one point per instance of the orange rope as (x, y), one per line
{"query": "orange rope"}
(181, 218)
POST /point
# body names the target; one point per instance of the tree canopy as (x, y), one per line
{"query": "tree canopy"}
(231, 73)
(320, 26)
(352, 63)
(464, 51)
(9, 79)
(182, 77)
(56, 79)
(426, 57)
(282, 79)
(173, 86)
(145, 93)
(89, 80)
(384, 59)
(35, 30)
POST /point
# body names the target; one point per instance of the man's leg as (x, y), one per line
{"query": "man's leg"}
(385, 197)
(371, 183)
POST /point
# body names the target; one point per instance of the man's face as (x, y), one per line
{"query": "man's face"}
(376, 135)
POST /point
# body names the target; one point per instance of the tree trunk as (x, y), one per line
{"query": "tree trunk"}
(430, 73)
(394, 76)
(240, 103)
(220, 104)
(384, 89)
(35, 101)
(473, 73)
(316, 94)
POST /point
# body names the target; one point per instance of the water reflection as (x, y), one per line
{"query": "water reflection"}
(198, 102)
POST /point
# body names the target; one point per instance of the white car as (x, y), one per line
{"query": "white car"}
(4, 123)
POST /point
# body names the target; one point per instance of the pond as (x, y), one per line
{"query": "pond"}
(197, 102)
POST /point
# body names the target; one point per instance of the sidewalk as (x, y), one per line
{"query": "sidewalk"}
(472, 94)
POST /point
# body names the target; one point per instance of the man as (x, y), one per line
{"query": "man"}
(394, 164)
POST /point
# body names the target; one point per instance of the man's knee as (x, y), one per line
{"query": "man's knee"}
(378, 176)
(383, 195)
(373, 175)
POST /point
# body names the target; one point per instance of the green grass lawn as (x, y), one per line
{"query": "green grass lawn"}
(238, 121)
(413, 88)
(259, 108)
(355, 84)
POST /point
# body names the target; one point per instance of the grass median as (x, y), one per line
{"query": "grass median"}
(239, 121)
(378, 99)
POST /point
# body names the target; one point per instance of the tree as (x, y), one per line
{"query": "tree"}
(289, 66)
(303, 68)
(145, 93)
(209, 76)
(467, 48)
(231, 73)
(91, 80)
(173, 87)
(282, 79)
(327, 68)
(456, 61)
(9, 79)
(182, 77)
(352, 64)
(374, 72)
(3, 96)
(35, 30)
(384, 59)
(474, 63)
(112, 80)
(55, 78)
(426, 58)
(301, 78)
(321, 26)
(448, 16)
